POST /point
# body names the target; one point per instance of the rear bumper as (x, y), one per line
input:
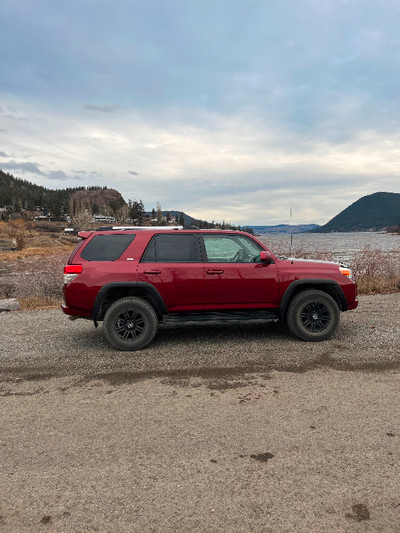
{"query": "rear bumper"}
(74, 312)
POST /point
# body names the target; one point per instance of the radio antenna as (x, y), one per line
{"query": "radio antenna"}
(291, 233)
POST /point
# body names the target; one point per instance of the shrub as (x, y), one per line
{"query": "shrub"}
(47, 227)
(19, 230)
(41, 276)
(376, 271)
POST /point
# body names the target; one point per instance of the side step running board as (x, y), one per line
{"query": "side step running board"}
(220, 317)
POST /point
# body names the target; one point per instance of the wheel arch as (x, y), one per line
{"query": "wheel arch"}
(111, 292)
(325, 285)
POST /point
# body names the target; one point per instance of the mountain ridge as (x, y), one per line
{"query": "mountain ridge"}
(373, 212)
(285, 228)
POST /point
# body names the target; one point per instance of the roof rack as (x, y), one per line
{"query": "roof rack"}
(124, 228)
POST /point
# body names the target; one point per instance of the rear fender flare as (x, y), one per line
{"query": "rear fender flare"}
(144, 288)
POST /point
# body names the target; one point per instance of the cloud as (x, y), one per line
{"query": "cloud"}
(2, 154)
(101, 109)
(239, 168)
(298, 109)
(33, 168)
(57, 175)
(24, 167)
(86, 173)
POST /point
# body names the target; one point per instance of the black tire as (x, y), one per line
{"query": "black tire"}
(130, 324)
(313, 316)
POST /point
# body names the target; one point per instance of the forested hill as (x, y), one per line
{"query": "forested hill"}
(22, 194)
(19, 194)
(373, 212)
(21, 197)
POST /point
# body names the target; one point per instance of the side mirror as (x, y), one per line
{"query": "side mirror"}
(266, 257)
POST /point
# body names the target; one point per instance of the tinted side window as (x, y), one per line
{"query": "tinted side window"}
(231, 249)
(76, 250)
(106, 247)
(171, 249)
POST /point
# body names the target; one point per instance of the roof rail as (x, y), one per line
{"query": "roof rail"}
(124, 228)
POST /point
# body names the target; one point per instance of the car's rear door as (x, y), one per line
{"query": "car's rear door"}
(172, 264)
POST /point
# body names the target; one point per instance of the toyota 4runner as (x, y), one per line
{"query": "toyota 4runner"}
(133, 279)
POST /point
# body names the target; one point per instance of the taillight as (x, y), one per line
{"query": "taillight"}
(70, 272)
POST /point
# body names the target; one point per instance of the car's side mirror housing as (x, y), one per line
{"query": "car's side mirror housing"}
(266, 257)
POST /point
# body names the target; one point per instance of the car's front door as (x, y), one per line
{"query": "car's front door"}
(234, 274)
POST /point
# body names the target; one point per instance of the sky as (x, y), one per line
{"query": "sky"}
(228, 110)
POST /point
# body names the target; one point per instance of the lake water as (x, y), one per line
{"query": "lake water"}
(342, 245)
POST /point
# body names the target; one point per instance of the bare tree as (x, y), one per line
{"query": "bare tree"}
(19, 230)
(82, 220)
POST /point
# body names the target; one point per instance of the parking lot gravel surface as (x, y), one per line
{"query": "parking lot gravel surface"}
(210, 428)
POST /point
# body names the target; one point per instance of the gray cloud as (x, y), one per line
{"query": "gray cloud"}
(84, 173)
(133, 173)
(34, 169)
(25, 167)
(101, 108)
(57, 175)
(2, 154)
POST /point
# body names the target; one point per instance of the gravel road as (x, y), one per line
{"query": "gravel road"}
(209, 429)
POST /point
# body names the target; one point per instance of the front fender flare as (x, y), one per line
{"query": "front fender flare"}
(334, 289)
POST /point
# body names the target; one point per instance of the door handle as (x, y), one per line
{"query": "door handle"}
(152, 272)
(214, 272)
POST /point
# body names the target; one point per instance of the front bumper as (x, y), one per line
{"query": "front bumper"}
(353, 305)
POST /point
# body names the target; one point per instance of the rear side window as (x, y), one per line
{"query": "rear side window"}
(106, 247)
(171, 249)
(76, 250)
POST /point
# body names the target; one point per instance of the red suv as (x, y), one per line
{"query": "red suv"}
(135, 278)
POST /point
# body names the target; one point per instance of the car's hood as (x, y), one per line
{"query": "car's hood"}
(300, 259)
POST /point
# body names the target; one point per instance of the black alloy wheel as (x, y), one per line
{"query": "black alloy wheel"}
(130, 324)
(313, 315)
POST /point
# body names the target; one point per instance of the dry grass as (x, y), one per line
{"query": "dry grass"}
(376, 272)
(37, 278)
(40, 276)
(35, 251)
(39, 302)
(37, 243)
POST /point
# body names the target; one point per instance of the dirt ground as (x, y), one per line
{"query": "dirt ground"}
(209, 429)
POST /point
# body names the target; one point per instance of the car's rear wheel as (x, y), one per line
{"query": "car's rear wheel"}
(130, 324)
(313, 315)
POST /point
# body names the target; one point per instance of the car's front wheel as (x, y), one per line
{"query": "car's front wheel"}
(130, 324)
(313, 315)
